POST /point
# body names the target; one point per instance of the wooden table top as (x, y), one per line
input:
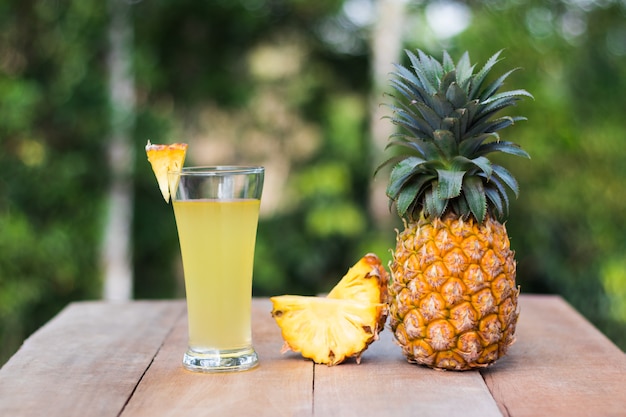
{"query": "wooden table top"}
(101, 359)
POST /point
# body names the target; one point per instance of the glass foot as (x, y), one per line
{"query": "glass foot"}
(220, 360)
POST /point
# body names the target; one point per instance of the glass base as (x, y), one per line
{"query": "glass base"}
(220, 360)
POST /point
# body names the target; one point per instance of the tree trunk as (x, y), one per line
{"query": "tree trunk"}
(116, 253)
(386, 45)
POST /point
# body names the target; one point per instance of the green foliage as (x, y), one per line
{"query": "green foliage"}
(53, 118)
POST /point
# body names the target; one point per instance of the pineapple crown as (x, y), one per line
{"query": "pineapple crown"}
(446, 113)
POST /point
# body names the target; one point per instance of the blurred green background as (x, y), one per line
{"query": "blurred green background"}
(294, 85)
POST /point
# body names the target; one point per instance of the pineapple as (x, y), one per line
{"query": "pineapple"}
(164, 158)
(341, 325)
(453, 297)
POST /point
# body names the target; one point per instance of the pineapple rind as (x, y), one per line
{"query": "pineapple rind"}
(454, 304)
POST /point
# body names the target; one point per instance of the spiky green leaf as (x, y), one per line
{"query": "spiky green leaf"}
(484, 165)
(464, 71)
(429, 114)
(459, 206)
(501, 146)
(412, 192)
(448, 79)
(422, 148)
(432, 68)
(506, 177)
(492, 88)
(408, 84)
(401, 173)
(484, 122)
(426, 83)
(393, 161)
(446, 143)
(487, 111)
(498, 124)
(406, 199)
(413, 123)
(449, 183)
(456, 95)
(480, 76)
(448, 63)
(508, 94)
(474, 194)
(496, 184)
(433, 205)
(470, 147)
(495, 201)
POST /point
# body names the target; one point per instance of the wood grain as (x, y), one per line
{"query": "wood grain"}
(385, 384)
(124, 360)
(560, 365)
(279, 386)
(86, 361)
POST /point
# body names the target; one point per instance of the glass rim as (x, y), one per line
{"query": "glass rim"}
(219, 170)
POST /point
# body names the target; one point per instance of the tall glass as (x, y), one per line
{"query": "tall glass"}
(217, 212)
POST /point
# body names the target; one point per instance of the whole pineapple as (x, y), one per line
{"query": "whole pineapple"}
(454, 301)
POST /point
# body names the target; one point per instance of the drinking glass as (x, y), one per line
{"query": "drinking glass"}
(217, 212)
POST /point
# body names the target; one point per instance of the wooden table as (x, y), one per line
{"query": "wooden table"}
(98, 359)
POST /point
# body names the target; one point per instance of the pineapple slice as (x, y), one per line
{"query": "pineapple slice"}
(326, 330)
(356, 286)
(164, 158)
(330, 329)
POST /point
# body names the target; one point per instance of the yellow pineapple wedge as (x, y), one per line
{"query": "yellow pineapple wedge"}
(164, 158)
(341, 325)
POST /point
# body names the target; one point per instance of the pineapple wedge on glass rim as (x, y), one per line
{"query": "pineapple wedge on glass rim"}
(164, 158)
(453, 296)
(330, 329)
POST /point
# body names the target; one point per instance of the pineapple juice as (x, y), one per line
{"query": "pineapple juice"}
(217, 240)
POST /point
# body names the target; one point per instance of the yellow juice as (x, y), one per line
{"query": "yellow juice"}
(217, 241)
